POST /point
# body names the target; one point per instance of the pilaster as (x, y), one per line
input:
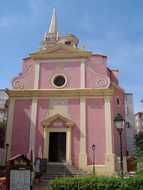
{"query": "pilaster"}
(46, 143)
(110, 157)
(37, 75)
(33, 126)
(82, 74)
(68, 145)
(83, 154)
(108, 124)
(10, 125)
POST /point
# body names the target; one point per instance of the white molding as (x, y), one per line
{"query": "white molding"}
(68, 92)
(68, 145)
(46, 143)
(82, 75)
(47, 131)
(83, 154)
(61, 98)
(10, 124)
(55, 130)
(61, 60)
(33, 126)
(108, 124)
(37, 75)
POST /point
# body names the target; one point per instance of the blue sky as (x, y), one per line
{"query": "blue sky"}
(113, 28)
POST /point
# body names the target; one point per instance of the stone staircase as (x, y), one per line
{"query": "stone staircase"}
(55, 170)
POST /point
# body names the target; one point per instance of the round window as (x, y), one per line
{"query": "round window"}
(59, 81)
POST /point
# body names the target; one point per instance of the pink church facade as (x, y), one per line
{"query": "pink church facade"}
(64, 101)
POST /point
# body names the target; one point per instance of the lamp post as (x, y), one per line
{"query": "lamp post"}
(93, 152)
(119, 124)
(6, 154)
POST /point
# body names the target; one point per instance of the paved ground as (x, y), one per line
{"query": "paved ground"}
(41, 186)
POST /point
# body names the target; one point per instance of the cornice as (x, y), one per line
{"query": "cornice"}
(60, 92)
(44, 56)
(60, 51)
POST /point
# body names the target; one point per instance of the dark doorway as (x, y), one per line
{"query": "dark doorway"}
(57, 147)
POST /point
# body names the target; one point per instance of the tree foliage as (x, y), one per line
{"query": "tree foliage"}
(139, 139)
(139, 146)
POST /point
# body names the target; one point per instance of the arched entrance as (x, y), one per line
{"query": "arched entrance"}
(57, 138)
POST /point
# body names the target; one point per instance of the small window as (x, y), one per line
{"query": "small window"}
(128, 125)
(68, 43)
(118, 101)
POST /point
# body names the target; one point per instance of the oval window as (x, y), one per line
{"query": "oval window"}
(59, 81)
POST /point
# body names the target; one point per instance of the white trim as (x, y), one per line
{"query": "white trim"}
(108, 125)
(55, 130)
(100, 165)
(82, 155)
(60, 60)
(82, 75)
(37, 75)
(47, 131)
(33, 126)
(10, 124)
(46, 143)
(61, 98)
(68, 145)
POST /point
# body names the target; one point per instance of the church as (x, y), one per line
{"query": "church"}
(63, 103)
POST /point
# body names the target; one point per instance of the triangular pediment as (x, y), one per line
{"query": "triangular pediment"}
(60, 51)
(49, 121)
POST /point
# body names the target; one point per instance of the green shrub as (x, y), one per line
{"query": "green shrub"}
(86, 183)
(133, 183)
(97, 183)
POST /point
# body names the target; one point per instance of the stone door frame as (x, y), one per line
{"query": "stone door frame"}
(68, 124)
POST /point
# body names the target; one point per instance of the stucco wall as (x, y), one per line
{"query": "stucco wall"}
(21, 127)
(115, 110)
(70, 70)
(28, 74)
(74, 110)
(96, 130)
(25, 79)
(42, 110)
(95, 68)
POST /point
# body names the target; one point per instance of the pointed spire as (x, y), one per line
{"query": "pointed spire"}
(53, 24)
(52, 35)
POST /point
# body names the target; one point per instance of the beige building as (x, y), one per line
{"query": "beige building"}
(138, 121)
(130, 122)
(3, 105)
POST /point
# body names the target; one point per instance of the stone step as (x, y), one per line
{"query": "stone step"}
(61, 170)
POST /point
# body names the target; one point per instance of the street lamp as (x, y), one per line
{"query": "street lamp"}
(6, 154)
(119, 124)
(93, 150)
